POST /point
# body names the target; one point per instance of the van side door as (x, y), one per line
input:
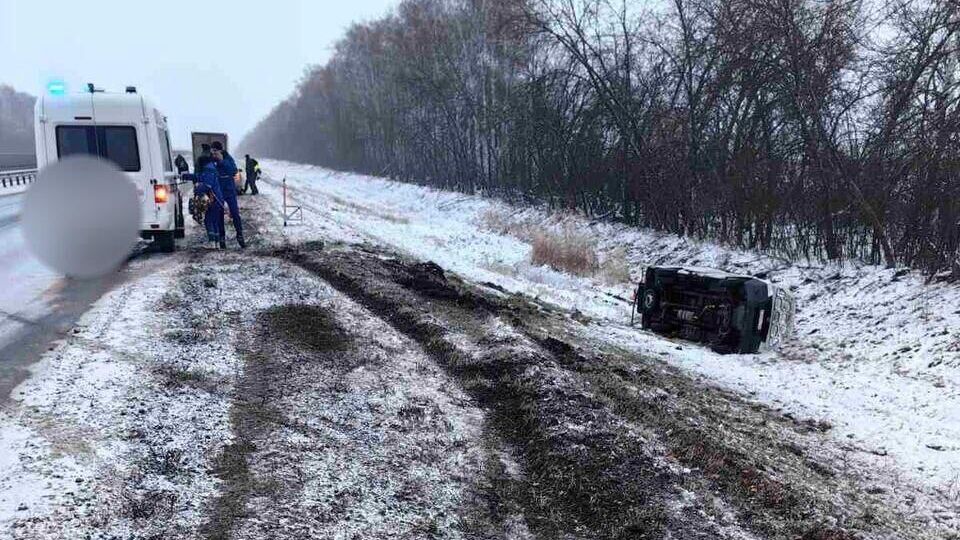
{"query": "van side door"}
(170, 175)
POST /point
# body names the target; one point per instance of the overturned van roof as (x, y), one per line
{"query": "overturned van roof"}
(716, 273)
(706, 272)
(98, 107)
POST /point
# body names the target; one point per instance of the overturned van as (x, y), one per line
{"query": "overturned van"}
(730, 313)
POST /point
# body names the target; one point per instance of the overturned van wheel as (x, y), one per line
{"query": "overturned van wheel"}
(650, 301)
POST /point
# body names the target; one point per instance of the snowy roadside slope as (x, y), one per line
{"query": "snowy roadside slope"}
(877, 353)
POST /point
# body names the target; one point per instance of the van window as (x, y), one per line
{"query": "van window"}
(73, 140)
(120, 146)
(165, 149)
(116, 143)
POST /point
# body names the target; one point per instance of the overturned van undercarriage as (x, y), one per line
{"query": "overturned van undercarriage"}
(730, 313)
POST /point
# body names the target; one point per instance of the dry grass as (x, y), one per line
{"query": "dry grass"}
(174, 375)
(614, 268)
(64, 438)
(567, 250)
(498, 267)
(171, 300)
(502, 222)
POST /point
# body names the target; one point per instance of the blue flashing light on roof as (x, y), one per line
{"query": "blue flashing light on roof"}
(56, 88)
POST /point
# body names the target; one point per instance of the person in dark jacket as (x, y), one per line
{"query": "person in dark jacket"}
(181, 163)
(227, 170)
(252, 169)
(208, 183)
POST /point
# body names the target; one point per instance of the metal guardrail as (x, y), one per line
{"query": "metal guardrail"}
(12, 179)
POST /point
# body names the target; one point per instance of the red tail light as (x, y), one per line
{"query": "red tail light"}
(161, 194)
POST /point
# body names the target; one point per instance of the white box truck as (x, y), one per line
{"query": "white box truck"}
(128, 130)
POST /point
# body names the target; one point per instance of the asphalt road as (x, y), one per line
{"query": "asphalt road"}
(26, 278)
(37, 306)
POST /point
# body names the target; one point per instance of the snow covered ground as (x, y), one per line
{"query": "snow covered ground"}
(123, 426)
(119, 430)
(877, 351)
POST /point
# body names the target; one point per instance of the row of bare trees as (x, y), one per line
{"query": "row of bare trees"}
(16, 122)
(821, 129)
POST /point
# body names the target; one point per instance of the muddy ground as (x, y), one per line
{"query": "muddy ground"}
(607, 445)
(347, 391)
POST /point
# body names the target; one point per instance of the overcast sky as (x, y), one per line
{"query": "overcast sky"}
(210, 66)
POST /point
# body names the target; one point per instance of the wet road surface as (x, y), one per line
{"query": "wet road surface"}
(37, 306)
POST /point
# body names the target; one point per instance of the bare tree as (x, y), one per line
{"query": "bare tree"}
(771, 124)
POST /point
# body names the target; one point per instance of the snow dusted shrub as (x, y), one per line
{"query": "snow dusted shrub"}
(565, 251)
(171, 300)
(558, 245)
(500, 221)
(498, 266)
(615, 268)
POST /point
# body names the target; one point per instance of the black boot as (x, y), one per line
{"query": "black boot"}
(223, 243)
(240, 241)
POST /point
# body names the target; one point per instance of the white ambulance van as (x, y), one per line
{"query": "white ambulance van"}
(128, 130)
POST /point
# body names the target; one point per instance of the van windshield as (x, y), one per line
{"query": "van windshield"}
(116, 143)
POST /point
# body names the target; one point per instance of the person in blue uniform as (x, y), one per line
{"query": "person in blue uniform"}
(208, 183)
(227, 169)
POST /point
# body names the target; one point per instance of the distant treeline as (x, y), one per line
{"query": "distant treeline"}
(17, 147)
(825, 129)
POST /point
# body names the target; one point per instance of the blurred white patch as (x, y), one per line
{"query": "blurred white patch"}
(81, 217)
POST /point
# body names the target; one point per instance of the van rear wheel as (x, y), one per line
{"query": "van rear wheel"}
(165, 241)
(178, 220)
